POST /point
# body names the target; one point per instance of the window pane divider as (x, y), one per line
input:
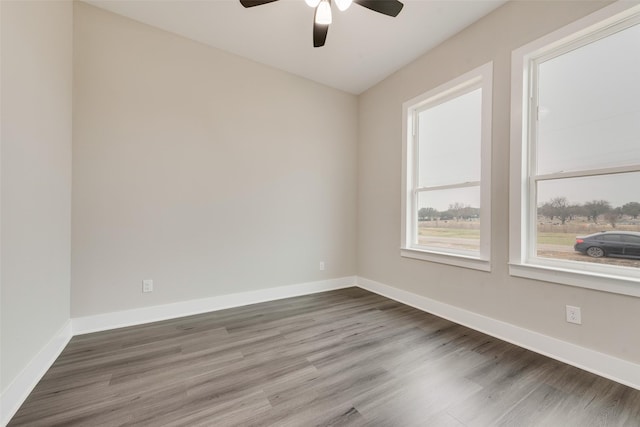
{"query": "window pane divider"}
(589, 172)
(467, 184)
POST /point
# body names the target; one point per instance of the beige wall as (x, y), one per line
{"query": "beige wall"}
(36, 178)
(206, 172)
(608, 320)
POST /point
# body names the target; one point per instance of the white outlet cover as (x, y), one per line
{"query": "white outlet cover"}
(574, 315)
(147, 285)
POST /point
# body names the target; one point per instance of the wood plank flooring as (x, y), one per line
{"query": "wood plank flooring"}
(340, 358)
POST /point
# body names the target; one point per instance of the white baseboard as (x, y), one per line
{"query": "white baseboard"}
(604, 365)
(102, 322)
(16, 393)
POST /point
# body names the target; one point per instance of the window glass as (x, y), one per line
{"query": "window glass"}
(631, 239)
(573, 207)
(449, 218)
(449, 137)
(588, 109)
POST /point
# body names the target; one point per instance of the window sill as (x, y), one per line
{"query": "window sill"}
(583, 279)
(447, 258)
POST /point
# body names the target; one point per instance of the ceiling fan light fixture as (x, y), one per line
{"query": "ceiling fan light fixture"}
(343, 4)
(323, 13)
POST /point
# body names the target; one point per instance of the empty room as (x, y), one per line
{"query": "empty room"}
(320, 213)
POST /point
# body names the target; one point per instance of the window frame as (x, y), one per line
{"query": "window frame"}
(478, 78)
(522, 204)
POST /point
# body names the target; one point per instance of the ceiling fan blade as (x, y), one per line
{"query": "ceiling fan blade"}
(319, 33)
(386, 7)
(251, 3)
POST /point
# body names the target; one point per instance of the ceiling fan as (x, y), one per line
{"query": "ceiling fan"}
(322, 17)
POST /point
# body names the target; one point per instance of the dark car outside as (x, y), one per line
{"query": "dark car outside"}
(622, 244)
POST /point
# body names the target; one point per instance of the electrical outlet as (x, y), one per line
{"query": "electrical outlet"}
(147, 285)
(321, 265)
(573, 315)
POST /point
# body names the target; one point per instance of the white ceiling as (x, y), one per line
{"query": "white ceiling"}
(363, 47)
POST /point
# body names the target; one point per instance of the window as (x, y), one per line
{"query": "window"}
(631, 239)
(576, 153)
(446, 185)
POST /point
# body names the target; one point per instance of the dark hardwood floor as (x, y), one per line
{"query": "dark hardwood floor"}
(346, 357)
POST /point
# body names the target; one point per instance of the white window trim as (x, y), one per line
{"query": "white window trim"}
(564, 272)
(481, 77)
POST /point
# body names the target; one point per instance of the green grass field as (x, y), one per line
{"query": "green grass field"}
(564, 239)
(458, 233)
